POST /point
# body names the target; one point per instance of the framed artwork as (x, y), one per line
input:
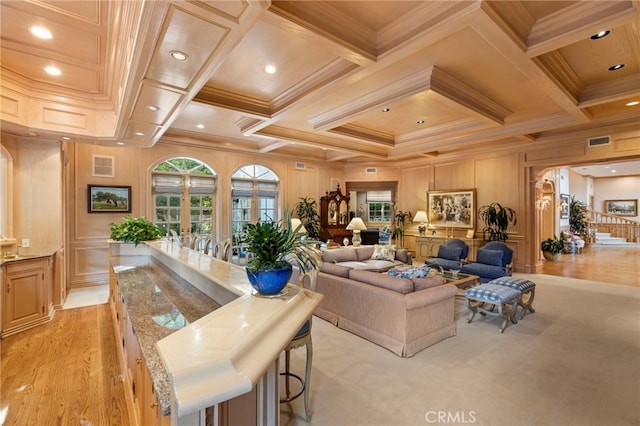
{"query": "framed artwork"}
(452, 209)
(564, 206)
(621, 207)
(109, 199)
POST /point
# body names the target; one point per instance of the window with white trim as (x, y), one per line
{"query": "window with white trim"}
(254, 196)
(184, 192)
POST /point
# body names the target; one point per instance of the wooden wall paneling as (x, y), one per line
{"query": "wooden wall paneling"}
(298, 184)
(89, 265)
(458, 175)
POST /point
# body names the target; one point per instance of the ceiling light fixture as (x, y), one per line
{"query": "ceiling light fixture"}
(270, 69)
(600, 34)
(633, 103)
(139, 134)
(41, 32)
(179, 56)
(66, 138)
(616, 67)
(51, 70)
(200, 126)
(420, 122)
(153, 108)
(120, 143)
(386, 109)
(613, 171)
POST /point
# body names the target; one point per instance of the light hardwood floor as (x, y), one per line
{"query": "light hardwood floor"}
(63, 373)
(66, 372)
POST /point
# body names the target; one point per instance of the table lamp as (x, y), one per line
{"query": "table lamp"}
(421, 216)
(356, 225)
(295, 222)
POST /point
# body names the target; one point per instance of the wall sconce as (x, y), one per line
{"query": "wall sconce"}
(421, 216)
(356, 225)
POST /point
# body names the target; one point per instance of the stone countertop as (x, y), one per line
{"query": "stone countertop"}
(25, 257)
(158, 302)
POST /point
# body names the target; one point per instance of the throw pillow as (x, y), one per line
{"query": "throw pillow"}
(450, 253)
(386, 252)
(409, 271)
(489, 257)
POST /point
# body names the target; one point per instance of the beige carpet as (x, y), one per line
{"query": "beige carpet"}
(576, 361)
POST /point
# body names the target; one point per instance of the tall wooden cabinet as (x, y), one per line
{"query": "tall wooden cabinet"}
(26, 294)
(334, 216)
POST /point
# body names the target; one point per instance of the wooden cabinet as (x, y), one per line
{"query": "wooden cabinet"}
(334, 216)
(26, 294)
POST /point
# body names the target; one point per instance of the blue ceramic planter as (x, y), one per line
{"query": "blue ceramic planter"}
(269, 282)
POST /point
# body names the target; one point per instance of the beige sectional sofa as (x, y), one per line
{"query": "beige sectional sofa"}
(401, 314)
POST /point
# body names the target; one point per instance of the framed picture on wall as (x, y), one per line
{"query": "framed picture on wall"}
(109, 199)
(452, 209)
(621, 207)
(564, 206)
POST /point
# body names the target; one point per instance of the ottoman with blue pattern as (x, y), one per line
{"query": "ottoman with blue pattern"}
(486, 297)
(526, 288)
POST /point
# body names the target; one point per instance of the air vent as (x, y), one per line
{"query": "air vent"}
(300, 166)
(602, 140)
(102, 166)
(371, 170)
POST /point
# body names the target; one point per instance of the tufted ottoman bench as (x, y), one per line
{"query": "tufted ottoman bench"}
(526, 288)
(485, 297)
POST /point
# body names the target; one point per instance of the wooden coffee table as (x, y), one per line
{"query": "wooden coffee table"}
(462, 281)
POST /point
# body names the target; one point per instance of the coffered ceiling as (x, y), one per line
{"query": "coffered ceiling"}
(377, 80)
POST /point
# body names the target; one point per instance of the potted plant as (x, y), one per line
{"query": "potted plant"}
(577, 216)
(134, 230)
(552, 248)
(308, 215)
(274, 246)
(400, 220)
(496, 219)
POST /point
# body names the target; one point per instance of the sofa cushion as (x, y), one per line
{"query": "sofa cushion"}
(334, 269)
(489, 257)
(427, 282)
(409, 271)
(340, 255)
(364, 253)
(449, 252)
(401, 285)
(384, 252)
(403, 255)
(370, 265)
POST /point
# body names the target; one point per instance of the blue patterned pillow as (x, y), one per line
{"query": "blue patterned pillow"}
(489, 257)
(409, 271)
(450, 253)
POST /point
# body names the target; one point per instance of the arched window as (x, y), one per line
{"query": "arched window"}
(6, 211)
(254, 196)
(184, 194)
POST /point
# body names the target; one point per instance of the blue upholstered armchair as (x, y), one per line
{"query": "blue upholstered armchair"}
(494, 260)
(450, 255)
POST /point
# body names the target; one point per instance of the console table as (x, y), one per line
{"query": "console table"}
(427, 246)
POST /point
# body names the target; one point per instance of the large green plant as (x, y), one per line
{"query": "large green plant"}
(134, 230)
(400, 221)
(306, 210)
(553, 245)
(275, 245)
(497, 218)
(577, 216)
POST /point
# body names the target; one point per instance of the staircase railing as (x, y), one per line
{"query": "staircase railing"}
(615, 225)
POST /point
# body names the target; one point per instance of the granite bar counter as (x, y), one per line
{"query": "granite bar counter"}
(205, 336)
(158, 302)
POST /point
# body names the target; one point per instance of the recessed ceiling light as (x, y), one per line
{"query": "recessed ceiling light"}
(600, 35)
(120, 143)
(66, 138)
(41, 32)
(386, 109)
(139, 134)
(179, 56)
(51, 70)
(200, 126)
(633, 103)
(270, 69)
(420, 121)
(153, 108)
(616, 67)
(613, 171)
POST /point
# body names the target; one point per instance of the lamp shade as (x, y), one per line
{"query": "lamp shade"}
(421, 216)
(295, 222)
(356, 224)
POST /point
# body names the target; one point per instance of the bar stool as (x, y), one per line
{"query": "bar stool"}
(302, 338)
